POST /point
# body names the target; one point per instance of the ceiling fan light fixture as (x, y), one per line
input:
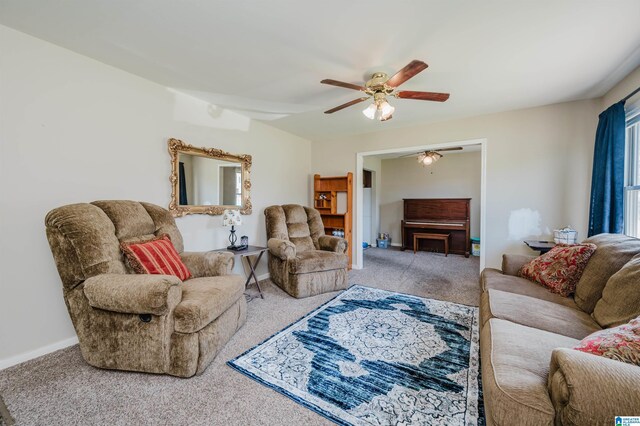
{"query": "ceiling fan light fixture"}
(370, 111)
(385, 110)
(428, 157)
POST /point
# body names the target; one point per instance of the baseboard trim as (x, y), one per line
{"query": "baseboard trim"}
(26, 356)
(264, 276)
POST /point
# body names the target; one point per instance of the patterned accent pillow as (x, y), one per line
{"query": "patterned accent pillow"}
(621, 343)
(560, 269)
(156, 256)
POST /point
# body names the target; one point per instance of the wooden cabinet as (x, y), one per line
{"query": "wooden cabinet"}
(328, 192)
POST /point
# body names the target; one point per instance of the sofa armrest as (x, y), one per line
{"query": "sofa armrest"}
(208, 264)
(590, 389)
(133, 293)
(331, 243)
(281, 249)
(511, 263)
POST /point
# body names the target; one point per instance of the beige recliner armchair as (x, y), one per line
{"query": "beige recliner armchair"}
(303, 261)
(136, 322)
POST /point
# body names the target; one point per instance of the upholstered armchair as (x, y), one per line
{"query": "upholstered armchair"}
(138, 322)
(303, 261)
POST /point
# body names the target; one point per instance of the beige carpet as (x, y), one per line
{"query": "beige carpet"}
(60, 388)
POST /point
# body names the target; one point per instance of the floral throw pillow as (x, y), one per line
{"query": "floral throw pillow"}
(560, 269)
(621, 343)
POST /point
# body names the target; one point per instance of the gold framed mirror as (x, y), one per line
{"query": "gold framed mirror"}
(208, 180)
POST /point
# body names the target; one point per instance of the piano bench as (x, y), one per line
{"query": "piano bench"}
(422, 236)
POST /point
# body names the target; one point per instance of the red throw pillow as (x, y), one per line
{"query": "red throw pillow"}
(621, 343)
(560, 269)
(156, 256)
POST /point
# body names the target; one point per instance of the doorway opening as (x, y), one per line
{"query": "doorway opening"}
(370, 223)
(379, 203)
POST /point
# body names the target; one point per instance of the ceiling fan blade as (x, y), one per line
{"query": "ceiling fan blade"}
(387, 119)
(406, 73)
(423, 96)
(457, 148)
(411, 155)
(343, 84)
(348, 104)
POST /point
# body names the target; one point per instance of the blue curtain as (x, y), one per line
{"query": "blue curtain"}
(607, 180)
(182, 183)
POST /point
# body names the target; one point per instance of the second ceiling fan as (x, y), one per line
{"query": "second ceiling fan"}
(427, 158)
(380, 86)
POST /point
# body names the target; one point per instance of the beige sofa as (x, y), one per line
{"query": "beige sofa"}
(303, 261)
(149, 323)
(530, 374)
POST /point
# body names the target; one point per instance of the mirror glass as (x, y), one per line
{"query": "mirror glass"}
(207, 181)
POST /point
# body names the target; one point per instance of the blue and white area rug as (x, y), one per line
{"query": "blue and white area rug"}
(374, 357)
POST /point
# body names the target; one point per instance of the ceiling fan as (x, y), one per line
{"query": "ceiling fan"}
(380, 86)
(429, 157)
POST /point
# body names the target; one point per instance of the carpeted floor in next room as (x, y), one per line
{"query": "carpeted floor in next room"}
(60, 388)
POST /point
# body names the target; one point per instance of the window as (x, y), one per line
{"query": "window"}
(632, 181)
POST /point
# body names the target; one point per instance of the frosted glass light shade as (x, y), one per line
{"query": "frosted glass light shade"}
(370, 111)
(386, 110)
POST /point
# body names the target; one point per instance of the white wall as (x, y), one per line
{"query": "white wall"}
(374, 164)
(628, 84)
(76, 130)
(538, 166)
(453, 176)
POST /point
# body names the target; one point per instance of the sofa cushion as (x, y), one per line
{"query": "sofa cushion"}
(515, 366)
(494, 279)
(165, 224)
(130, 218)
(620, 300)
(276, 223)
(297, 227)
(156, 256)
(621, 343)
(317, 260)
(83, 243)
(531, 312)
(205, 299)
(613, 252)
(559, 269)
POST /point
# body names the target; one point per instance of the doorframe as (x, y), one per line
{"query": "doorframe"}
(483, 142)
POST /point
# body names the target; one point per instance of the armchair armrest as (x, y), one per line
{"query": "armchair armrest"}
(590, 389)
(334, 244)
(282, 249)
(511, 263)
(208, 264)
(134, 294)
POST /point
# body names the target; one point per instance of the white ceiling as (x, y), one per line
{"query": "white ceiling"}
(266, 58)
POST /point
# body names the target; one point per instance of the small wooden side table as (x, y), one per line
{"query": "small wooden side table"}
(244, 254)
(541, 246)
(423, 236)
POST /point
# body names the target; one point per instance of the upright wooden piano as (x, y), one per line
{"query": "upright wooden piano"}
(437, 216)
